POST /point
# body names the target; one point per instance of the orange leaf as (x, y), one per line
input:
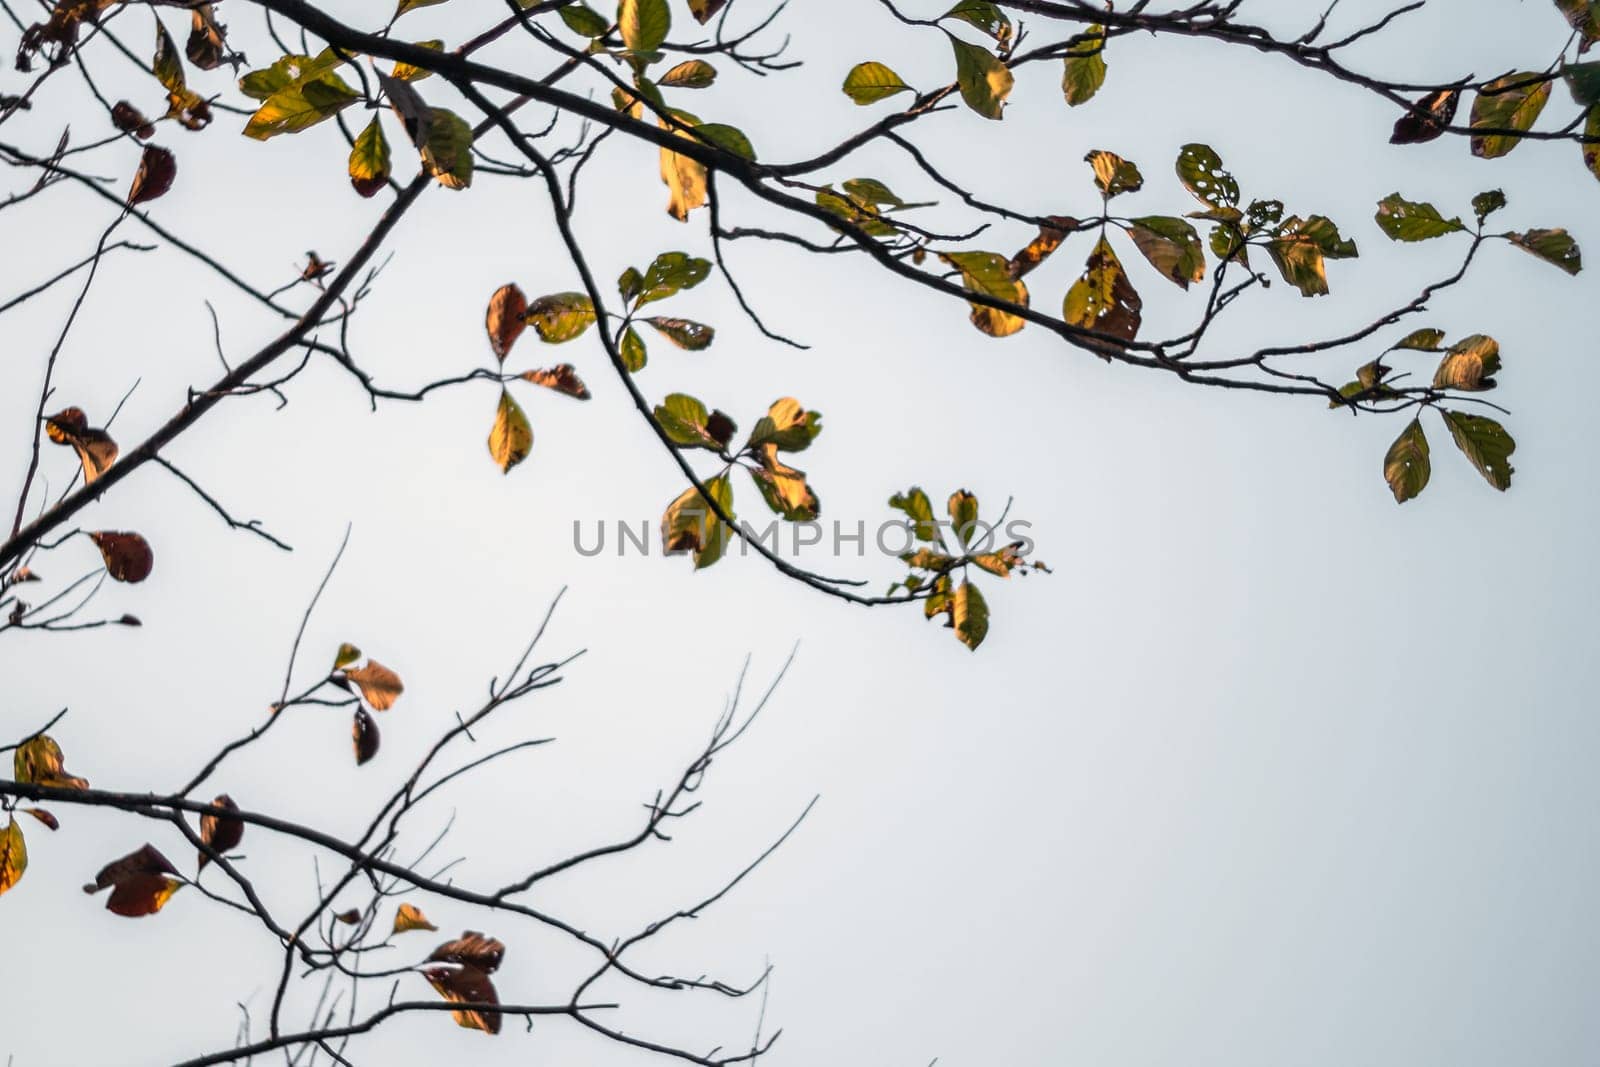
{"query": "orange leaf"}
(504, 320)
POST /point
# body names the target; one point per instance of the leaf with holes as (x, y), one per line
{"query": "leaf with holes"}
(1172, 246)
(562, 378)
(685, 333)
(1406, 220)
(1406, 466)
(1201, 172)
(983, 79)
(1553, 246)
(1103, 299)
(1486, 445)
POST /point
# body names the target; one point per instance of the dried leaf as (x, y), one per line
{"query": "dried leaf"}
(409, 917)
(220, 832)
(127, 555)
(505, 321)
(378, 684)
(157, 169)
(364, 735)
(141, 883)
(562, 378)
(38, 761)
(1427, 118)
(45, 817)
(129, 119)
(13, 855)
(350, 916)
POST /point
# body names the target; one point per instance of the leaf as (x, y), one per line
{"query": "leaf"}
(364, 736)
(1172, 246)
(207, 47)
(95, 448)
(1406, 467)
(963, 508)
(1424, 340)
(467, 985)
(45, 817)
(127, 555)
(157, 169)
(914, 502)
(783, 487)
(632, 350)
(1102, 299)
(38, 761)
(703, 10)
(412, 5)
(562, 378)
(1487, 203)
(684, 333)
(1113, 174)
(1486, 445)
(1300, 248)
(1508, 102)
(222, 833)
(409, 917)
(13, 855)
(867, 83)
(643, 23)
(1469, 365)
(408, 72)
(786, 426)
(140, 883)
(583, 20)
(129, 119)
(1583, 82)
(688, 424)
(690, 74)
(971, 615)
(287, 71)
(1552, 246)
(991, 275)
(350, 916)
(1405, 220)
(984, 80)
(380, 685)
(560, 317)
(346, 655)
(983, 15)
(670, 273)
(1000, 563)
(1591, 150)
(370, 165)
(511, 436)
(1584, 17)
(505, 319)
(690, 525)
(1084, 71)
(448, 153)
(1042, 246)
(728, 138)
(1200, 170)
(1427, 118)
(685, 179)
(301, 106)
(166, 65)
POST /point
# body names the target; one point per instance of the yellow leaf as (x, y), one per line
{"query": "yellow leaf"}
(13, 855)
(410, 917)
(39, 762)
(511, 436)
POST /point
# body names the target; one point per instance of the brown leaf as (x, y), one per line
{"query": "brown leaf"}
(1427, 118)
(130, 119)
(504, 320)
(127, 555)
(44, 817)
(349, 917)
(364, 733)
(207, 47)
(721, 427)
(562, 378)
(410, 917)
(154, 177)
(472, 949)
(378, 683)
(467, 985)
(220, 832)
(66, 424)
(95, 448)
(140, 883)
(1039, 249)
(705, 10)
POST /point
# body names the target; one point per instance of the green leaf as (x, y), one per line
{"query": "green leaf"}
(872, 191)
(448, 152)
(689, 425)
(963, 509)
(690, 525)
(1487, 203)
(511, 437)
(690, 74)
(685, 333)
(286, 71)
(1469, 365)
(1201, 172)
(1552, 246)
(1507, 103)
(1172, 246)
(1084, 70)
(670, 273)
(919, 509)
(1591, 151)
(1406, 466)
(583, 20)
(1300, 248)
(369, 159)
(632, 350)
(1405, 220)
(990, 274)
(1486, 445)
(727, 138)
(346, 655)
(406, 72)
(970, 613)
(1113, 175)
(985, 16)
(984, 80)
(412, 5)
(867, 83)
(1102, 299)
(643, 23)
(1583, 81)
(1424, 340)
(167, 66)
(560, 317)
(786, 426)
(301, 106)
(856, 210)
(783, 487)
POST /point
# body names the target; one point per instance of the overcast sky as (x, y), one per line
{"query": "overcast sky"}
(1271, 770)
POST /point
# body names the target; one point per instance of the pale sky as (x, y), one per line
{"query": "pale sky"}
(1270, 771)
